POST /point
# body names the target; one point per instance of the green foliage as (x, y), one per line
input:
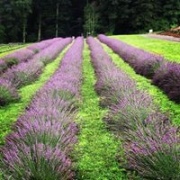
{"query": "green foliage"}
(91, 19)
(161, 165)
(168, 107)
(45, 19)
(97, 148)
(168, 49)
(6, 96)
(10, 113)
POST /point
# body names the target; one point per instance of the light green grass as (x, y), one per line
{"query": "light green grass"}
(10, 113)
(167, 106)
(97, 148)
(169, 49)
(11, 50)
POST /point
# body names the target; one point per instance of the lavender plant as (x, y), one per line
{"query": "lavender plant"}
(154, 150)
(3, 66)
(18, 56)
(42, 139)
(27, 72)
(150, 142)
(36, 47)
(168, 79)
(8, 92)
(110, 84)
(144, 63)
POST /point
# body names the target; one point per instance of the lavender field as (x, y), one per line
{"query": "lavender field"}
(89, 108)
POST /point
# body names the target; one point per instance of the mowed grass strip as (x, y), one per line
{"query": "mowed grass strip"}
(96, 150)
(167, 106)
(10, 113)
(168, 49)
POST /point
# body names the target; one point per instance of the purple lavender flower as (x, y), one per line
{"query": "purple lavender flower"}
(167, 78)
(43, 138)
(18, 56)
(151, 143)
(8, 92)
(3, 66)
(144, 63)
(26, 72)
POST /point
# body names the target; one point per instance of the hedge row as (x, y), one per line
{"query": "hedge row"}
(164, 74)
(43, 138)
(27, 72)
(150, 142)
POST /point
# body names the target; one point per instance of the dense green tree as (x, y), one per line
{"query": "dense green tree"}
(91, 18)
(41, 19)
(21, 9)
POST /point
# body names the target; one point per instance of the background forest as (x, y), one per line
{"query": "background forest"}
(34, 20)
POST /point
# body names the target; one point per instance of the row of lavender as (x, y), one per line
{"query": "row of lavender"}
(42, 139)
(150, 142)
(164, 74)
(27, 72)
(23, 54)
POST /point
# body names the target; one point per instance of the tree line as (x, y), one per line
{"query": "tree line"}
(34, 20)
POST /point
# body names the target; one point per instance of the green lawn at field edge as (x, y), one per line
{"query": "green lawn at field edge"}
(168, 49)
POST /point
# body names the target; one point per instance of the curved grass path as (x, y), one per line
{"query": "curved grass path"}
(10, 113)
(166, 105)
(97, 148)
(168, 49)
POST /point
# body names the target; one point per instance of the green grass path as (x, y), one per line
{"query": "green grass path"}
(97, 148)
(10, 113)
(143, 83)
(168, 49)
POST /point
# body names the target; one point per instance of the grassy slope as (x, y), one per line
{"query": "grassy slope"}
(97, 148)
(161, 99)
(168, 49)
(10, 113)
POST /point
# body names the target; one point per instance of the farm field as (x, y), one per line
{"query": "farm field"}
(6, 49)
(168, 49)
(82, 112)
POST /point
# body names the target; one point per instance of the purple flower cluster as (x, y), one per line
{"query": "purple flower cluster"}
(149, 140)
(43, 138)
(24, 54)
(36, 47)
(110, 84)
(26, 72)
(3, 66)
(8, 92)
(144, 63)
(164, 74)
(167, 77)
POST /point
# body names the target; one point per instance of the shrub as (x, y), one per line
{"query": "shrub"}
(42, 139)
(154, 149)
(130, 113)
(144, 63)
(168, 79)
(18, 56)
(7, 92)
(3, 66)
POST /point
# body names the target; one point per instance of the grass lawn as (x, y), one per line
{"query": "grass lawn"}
(168, 49)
